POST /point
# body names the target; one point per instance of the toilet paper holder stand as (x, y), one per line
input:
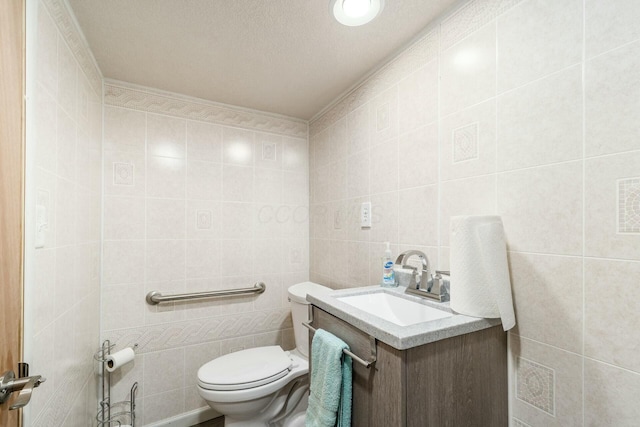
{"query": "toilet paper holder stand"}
(112, 413)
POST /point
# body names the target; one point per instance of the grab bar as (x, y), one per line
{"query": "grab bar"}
(155, 297)
(367, 363)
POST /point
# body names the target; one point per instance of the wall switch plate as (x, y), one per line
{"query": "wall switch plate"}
(365, 215)
(337, 220)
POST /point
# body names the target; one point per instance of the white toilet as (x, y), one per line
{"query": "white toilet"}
(264, 386)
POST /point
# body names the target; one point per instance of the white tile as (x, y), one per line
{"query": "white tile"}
(204, 141)
(612, 101)
(610, 324)
(468, 71)
(237, 146)
(547, 297)
(418, 216)
(537, 38)
(204, 180)
(268, 256)
(541, 209)
(418, 157)
(124, 173)
(124, 130)
(611, 395)
(124, 218)
(237, 220)
(471, 196)
(67, 75)
(383, 111)
(237, 183)
(166, 177)
(383, 166)
(47, 58)
(610, 24)
(204, 219)
(123, 306)
(267, 185)
(66, 146)
(268, 151)
(166, 136)
(531, 362)
(237, 257)
(46, 130)
(358, 168)
(66, 212)
(541, 123)
(165, 219)
(123, 262)
(165, 260)
(359, 129)
(202, 259)
(162, 406)
(295, 154)
(384, 217)
(611, 200)
(295, 188)
(418, 98)
(468, 142)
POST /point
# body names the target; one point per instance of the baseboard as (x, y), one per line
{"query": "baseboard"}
(187, 419)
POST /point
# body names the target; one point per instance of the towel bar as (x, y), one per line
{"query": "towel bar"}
(366, 363)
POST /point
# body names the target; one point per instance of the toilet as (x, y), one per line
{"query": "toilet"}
(264, 386)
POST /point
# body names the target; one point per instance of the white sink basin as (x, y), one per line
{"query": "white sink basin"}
(394, 309)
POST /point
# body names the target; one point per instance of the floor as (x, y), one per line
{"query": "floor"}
(216, 422)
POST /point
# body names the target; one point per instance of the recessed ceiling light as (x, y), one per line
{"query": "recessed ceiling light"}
(355, 12)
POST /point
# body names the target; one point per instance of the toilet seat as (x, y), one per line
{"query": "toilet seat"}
(245, 369)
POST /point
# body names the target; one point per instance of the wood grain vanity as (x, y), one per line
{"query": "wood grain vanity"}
(459, 381)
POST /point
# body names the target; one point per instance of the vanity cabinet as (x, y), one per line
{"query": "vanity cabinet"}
(459, 381)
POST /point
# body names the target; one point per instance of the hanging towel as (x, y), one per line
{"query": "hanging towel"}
(331, 382)
(480, 284)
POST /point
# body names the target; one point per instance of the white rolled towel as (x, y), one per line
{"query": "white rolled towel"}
(480, 284)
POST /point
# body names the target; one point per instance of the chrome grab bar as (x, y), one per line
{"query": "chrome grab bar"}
(155, 297)
(367, 363)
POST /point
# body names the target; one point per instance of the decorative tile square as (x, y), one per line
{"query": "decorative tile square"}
(535, 385)
(203, 220)
(465, 143)
(382, 117)
(123, 174)
(629, 205)
(518, 423)
(269, 151)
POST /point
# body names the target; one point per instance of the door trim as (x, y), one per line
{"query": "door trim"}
(12, 158)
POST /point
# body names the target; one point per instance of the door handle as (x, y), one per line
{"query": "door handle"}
(9, 384)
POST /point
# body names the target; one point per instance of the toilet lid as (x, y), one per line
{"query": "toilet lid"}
(245, 369)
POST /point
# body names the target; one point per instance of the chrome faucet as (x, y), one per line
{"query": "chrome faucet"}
(434, 287)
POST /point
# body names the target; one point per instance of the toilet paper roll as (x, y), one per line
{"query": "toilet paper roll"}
(480, 284)
(118, 359)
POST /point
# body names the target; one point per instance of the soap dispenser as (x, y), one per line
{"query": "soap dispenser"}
(388, 276)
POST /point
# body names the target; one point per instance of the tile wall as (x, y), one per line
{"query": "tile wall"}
(197, 199)
(63, 298)
(527, 109)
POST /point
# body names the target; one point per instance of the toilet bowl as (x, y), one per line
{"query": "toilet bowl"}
(264, 385)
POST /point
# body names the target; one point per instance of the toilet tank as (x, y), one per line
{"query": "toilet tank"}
(300, 311)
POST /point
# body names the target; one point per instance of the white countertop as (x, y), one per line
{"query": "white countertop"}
(399, 337)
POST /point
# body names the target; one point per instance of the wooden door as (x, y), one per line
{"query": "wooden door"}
(12, 59)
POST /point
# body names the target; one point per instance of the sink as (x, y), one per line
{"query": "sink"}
(394, 308)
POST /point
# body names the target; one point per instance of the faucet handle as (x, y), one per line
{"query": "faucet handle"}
(441, 272)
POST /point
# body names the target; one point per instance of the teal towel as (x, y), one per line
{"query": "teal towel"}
(331, 383)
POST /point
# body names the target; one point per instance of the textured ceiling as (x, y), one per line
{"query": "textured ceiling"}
(288, 57)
